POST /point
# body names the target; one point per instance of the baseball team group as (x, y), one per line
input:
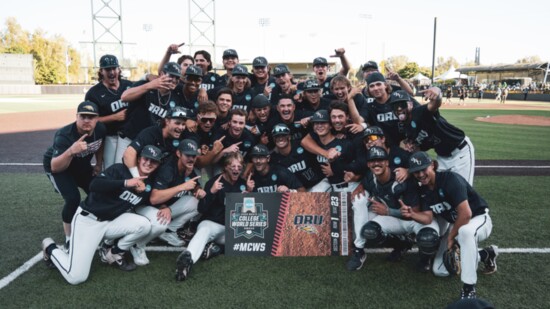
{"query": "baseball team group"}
(168, 148)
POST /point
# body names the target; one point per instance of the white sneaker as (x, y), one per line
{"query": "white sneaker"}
(140, 258)
(172, 239)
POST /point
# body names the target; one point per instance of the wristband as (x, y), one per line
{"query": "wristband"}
(134, 171)
(364, 125)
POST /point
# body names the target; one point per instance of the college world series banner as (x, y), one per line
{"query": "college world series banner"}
(288, 224)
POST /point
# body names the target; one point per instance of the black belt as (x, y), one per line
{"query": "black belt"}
(462, 145)
(90, 215)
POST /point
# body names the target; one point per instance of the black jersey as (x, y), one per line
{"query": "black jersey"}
(451, 189)
(431, 130)
(342, 163)
(382, 115)
(153, 136)
(191, 103)
(325, 86)
(259, 88)
(168, 176)
(108, 102)
(308, 108)
(397, 157)
(248, 141)
(243, 100)
(210, 81)
(65, 137)
(212, 206)
(108, 197)
(276, 177)
(391, 192)
(301, 163)
(297, 131)
(149, 109)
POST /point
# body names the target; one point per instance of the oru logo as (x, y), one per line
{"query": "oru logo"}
(248, 219)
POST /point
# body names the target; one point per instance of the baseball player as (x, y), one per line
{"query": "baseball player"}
(175, 195)
(224, 100)
(312, 99)
(260, 77)
(267, 178)
(284, 87)
(190, 92)
(150, 101)
(106, 212)
(112, 110)
(333, 170)
(377, 111)
(377, 218)
(291, 155)
(243, 93)
(296, 120)
(237, 138)
(446, 195)
(166, 138)
(68, 161)
(230, 59)
(425, 128)
(260, 118)
(396, 82)
(320, 68)
(210, 80)
(212, 207)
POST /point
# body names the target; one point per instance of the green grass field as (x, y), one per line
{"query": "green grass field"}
(519, 209)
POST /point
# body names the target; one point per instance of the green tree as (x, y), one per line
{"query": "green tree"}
(409, 70)
(443, 65)
(14, 39)
(396, 62)
(529, 59)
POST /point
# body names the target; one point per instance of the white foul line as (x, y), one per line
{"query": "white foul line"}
(37, 258)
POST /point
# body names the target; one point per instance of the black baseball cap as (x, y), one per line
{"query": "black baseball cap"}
(311, 85)
(151, 152)
(178, 112)
(87, 108)
(240, 69)
(419, 161)
(260, 150)
(280, 69)
(377, 153)
(320, 116)
(230, 53)
(370, 65)
(260, 101)
(375, 77)
(108, 61)
(193, 70)
(320, 61)
(280, 129)
(188, 147)
(373, 130)
(399, 96)
(172, 68)
(259, 62)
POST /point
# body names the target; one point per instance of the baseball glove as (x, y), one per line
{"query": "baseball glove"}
(451, 260)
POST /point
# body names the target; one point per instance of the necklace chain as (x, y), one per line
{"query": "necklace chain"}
(160, 98)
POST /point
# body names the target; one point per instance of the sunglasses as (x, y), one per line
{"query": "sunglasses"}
(372, 138)
(206, 120)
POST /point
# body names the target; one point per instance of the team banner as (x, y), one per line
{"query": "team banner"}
(287, 224)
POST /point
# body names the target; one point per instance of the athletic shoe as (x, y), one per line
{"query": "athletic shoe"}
(138, 253)
(405, 244)
(357, 260)
(187, 233)
(490, 264)
(183, 265)
(172, 239)
(118, 260)
(211, 250)
(46, 242)
(464, 294)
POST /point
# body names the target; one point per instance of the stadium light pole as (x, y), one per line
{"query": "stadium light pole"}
(148, 28)
(366, 17)
(264, 22)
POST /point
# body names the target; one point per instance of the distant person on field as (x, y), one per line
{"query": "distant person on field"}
(504, 95)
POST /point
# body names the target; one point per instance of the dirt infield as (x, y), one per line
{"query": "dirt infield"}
(24, 137)
(517, 119)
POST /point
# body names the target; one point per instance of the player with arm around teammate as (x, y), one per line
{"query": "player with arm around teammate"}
(175, 195)
(67, 162)
(448, 196)
(376, 213)
(212, 207)
(268, 178)
(106, 213)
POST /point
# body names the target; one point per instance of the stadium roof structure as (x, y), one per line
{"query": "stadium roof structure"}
(505, 67)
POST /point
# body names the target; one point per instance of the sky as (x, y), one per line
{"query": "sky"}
(299, 31)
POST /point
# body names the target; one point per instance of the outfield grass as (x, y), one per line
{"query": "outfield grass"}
(32, 212)
(34, 103)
